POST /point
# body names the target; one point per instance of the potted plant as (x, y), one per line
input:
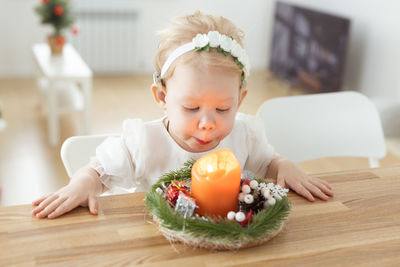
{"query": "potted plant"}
(58, 14)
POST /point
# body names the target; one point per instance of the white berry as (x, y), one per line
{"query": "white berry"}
(271, 201)
(240, 216)
(231, 215)
(253, 184)
(241, 197)
(248, 199)
(246, 189)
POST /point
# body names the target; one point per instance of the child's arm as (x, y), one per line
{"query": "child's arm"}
(289, 175)
(82, 190)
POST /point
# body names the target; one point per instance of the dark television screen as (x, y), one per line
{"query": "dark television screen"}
(309, 47)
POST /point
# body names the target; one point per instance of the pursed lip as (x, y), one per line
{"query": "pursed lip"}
(202, 142)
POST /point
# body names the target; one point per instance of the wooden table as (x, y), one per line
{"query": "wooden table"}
(359, 226)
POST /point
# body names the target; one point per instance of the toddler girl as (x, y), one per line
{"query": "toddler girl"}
(200, 83)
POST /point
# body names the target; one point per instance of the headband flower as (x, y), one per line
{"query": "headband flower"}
(213, 39)
(224, 44)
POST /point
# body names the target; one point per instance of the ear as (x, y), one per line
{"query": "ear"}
(242, 95)
(158, 95)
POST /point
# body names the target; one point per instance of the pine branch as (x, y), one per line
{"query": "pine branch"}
(181, 174)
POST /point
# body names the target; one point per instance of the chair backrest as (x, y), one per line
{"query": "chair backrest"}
(77, 150)
(324, 125)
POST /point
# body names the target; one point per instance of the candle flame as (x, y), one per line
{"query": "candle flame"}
(210, 168)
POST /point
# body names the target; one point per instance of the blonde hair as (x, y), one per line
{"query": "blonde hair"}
(182, 31)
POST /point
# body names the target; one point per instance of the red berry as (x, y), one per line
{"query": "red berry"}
(248, 220)
(45, 2)
(245, 182)
(58, 10)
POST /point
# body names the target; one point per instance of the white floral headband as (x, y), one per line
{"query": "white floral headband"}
(214, 39)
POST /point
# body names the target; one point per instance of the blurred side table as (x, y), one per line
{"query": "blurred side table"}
(66, 83)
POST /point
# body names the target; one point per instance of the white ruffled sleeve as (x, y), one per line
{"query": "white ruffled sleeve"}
(120, 160)
(261, 153)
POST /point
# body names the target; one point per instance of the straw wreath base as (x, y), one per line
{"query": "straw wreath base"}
(213, 244)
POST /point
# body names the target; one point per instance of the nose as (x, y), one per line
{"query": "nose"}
(207, 122)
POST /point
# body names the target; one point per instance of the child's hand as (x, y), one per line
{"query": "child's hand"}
(82, 190)
(289, 175)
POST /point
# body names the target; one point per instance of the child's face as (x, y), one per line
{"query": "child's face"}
(201, 105)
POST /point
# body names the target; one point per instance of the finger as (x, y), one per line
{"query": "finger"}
(281, 181)
(51, 207)
(65, 207)
(301, 190)
(324, 182)
(318, 183)
(44, 204)
(39, 200)
(315, 191)
(92, 203)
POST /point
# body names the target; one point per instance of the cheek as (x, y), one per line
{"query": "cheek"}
(183, 124)
(226, 124)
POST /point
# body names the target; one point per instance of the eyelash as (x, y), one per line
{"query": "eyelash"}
(191, 109)
(197, 108)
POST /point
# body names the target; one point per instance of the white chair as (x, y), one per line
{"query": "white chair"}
(315, 126)
(77, 150)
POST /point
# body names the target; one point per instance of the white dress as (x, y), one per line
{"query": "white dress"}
(145, 151)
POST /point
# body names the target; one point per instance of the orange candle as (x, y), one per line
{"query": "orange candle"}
(216, 183)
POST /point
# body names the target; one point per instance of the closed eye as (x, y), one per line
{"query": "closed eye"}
(223, 109)
(191, 108)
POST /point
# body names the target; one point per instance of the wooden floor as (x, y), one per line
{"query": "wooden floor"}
(29, 167)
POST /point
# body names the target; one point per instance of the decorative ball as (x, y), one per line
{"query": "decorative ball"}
(241, 197)
(253, 184)
(246, 189)
(231, 215)
(271, 201)
(240, 216)
(248, 199)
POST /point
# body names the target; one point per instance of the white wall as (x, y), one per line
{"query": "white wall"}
(373, 62)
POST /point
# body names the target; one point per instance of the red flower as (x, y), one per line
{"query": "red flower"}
(75, 30)
(60, 40)
(58, 10)
(45, 2)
